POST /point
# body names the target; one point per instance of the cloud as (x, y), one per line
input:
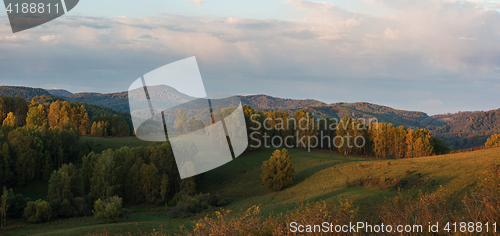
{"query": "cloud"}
(48, 38)
(464, 38)
(12, 38)
(431, 103)
(196, 2)
(306, 4)
(418, 46)
(391, 34)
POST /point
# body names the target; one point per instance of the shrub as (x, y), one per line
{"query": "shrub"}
(74, 208)
(17, 204)
(484, 203)
(62, 209)
(493, 141)
(81, 207)
(188, 186)
(277, 172)
(252, 222)
(187, 205)
(109, 209)
(4, 206)
(37, 212)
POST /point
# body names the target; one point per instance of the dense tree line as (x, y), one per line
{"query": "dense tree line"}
(346, 136)
(31, 152)
(48, 111)
(136, 175)
(38, 138)
(115, 126)
(58, 114)
(94, 112)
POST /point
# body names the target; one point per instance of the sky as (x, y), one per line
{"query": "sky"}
(439, 56)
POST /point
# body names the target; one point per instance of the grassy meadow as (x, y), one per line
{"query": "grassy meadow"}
(320, 175)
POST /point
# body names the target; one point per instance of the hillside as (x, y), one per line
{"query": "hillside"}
(59, 92)
(22, 92)
(115, 101)
(119, 102)
(460, 130)
(267, 102)
(319, 176)
(469, 129)
(94, 111)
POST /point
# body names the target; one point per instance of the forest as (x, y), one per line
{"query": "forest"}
(41, 140)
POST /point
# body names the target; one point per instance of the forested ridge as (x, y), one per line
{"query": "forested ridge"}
(22, 92)
(460, 130)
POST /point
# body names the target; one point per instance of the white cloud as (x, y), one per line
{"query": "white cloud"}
(196, 2)
(464, 38)
(431, 103)
(309, 4)
(48, 38)
(391, 34)
(417, 42)
(11, 39)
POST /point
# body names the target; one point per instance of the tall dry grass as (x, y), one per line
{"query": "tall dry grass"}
(481, 204)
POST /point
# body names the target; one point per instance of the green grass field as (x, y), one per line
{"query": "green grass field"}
(101, 144)
(319, 176)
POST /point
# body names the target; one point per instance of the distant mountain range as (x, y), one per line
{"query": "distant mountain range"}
(460, 130)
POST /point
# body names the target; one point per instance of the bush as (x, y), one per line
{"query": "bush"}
(493, 141)
(188, 185)
(109, 209)
(37, 212)
(277, 173)
(17, 204)
(188, 205)
(81, 207)
(252, 222)
(74, 208)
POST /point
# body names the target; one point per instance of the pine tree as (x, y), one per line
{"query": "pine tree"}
(410, 141)
(164, 186)
(277, 172)
(150, 182)
(3, 110)
(133, 182)
(180, 121)
(22, 145)
(6, 165)
(103, 182)
(305, 129)
(48, 167)
(346, 132)
(10, 121)
(36, 116)
(60, 187)
(4, 207)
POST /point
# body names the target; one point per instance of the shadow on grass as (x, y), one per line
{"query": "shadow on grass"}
(304, 174)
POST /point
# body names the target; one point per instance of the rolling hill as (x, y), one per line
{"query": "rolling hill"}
(319, 176)
(460, 130)
(22, 92)
(119, 102)
(59, 92)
